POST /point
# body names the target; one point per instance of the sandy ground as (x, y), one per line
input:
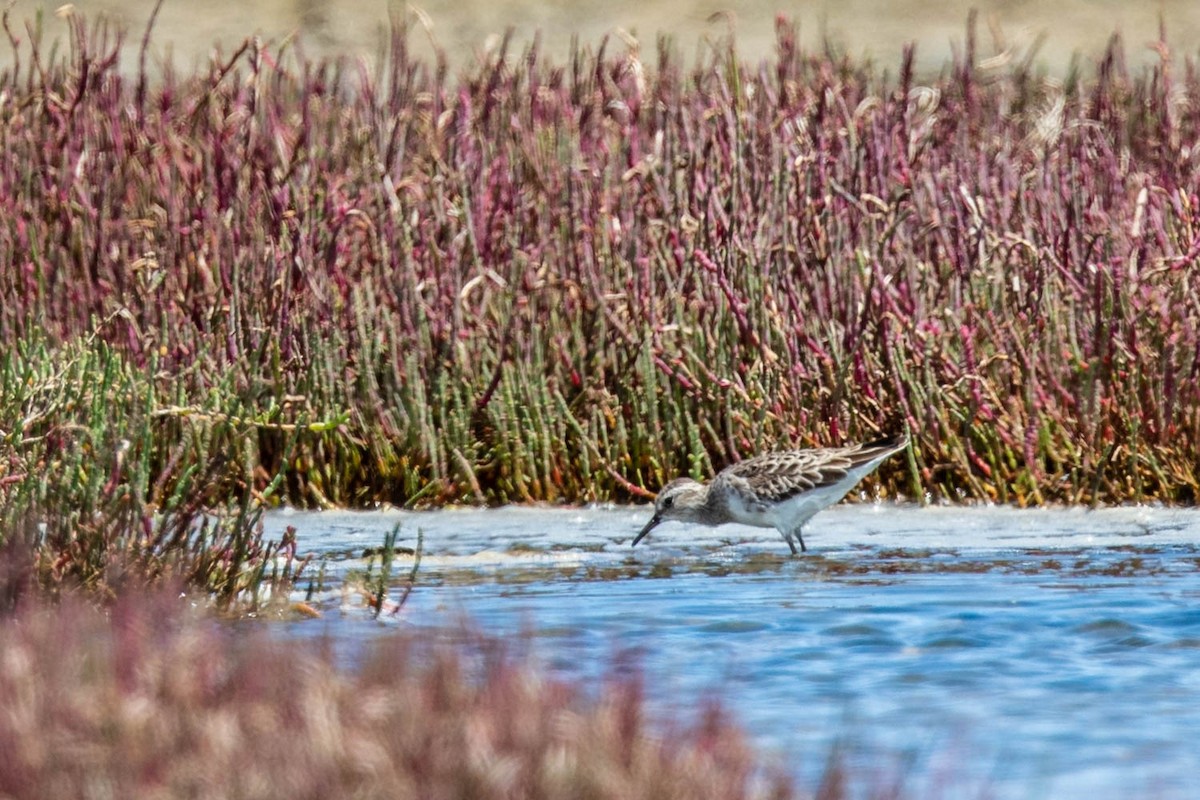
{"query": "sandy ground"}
(188, 30)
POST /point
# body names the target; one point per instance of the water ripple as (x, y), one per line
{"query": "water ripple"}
(988, 651)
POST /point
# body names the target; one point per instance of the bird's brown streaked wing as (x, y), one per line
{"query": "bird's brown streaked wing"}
(777, 476)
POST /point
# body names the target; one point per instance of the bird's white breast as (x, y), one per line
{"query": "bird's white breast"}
(793, 512)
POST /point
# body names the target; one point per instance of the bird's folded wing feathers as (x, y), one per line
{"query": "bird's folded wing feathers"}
(778, 476)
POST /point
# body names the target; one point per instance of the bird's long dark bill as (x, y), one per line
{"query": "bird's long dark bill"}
(649, 527)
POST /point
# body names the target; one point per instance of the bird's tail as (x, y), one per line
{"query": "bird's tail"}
(880, 448)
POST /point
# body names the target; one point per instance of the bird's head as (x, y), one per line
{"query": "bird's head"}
(681, 499)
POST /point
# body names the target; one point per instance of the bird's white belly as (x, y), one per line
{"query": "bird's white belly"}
(791, 513)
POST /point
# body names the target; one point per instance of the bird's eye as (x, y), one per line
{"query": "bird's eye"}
(668, 502)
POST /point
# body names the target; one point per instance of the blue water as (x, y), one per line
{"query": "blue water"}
(955, 653)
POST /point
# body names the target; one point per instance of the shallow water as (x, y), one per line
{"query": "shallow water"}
(958, 652)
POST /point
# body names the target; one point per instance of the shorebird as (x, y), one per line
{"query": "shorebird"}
(775, 490)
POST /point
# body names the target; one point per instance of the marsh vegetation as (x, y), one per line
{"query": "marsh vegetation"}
(277, 280)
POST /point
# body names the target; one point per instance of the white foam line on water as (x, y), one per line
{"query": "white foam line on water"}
(517, 535)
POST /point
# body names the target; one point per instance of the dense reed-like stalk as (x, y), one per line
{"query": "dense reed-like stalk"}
(541, 281)
(92, 500)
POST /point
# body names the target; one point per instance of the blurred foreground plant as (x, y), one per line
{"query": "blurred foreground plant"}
(142, 702)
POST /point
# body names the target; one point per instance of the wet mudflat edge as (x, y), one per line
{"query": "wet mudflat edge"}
(955, 652)
(879, 567)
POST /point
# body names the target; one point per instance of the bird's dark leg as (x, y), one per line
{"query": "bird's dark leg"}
(791, 538)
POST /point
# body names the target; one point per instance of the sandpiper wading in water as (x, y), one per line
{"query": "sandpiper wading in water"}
(774, 490)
